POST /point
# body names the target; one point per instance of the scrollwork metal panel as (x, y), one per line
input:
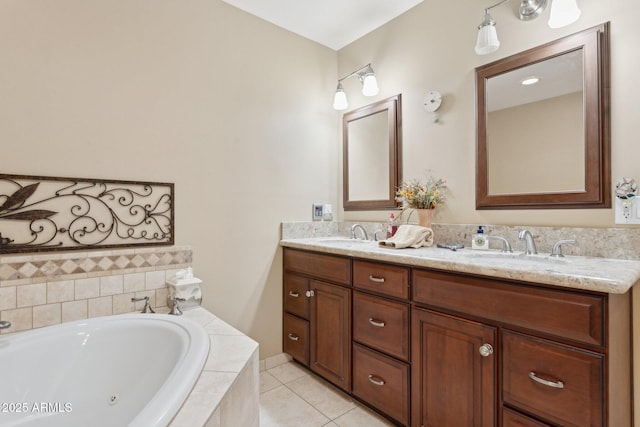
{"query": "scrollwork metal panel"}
(53, 214)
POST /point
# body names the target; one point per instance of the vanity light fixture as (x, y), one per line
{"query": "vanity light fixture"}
(369, 86)
(563, 12)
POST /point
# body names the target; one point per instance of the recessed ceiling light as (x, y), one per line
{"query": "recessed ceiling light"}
(530, 80)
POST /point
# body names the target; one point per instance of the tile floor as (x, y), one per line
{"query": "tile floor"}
(291, 396)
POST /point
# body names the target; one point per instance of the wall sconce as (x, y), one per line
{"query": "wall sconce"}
(563, 13)
(369, 86)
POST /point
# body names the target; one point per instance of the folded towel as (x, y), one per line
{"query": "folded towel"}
(410, 236)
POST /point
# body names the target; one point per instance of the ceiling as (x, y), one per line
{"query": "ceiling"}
(332, 23)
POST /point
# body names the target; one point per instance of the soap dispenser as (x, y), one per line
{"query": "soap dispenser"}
(479, 240)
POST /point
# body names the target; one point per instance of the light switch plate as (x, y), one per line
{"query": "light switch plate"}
(317, 211)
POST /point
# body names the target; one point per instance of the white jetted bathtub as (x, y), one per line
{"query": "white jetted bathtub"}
(126, 370)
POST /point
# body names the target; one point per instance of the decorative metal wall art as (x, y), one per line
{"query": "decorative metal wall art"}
(55, 214)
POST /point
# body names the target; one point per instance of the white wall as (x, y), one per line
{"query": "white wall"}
(431, 48)
(234, 110)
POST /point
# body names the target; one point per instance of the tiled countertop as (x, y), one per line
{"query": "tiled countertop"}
(588, 273)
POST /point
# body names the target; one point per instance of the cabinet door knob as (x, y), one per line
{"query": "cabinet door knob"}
(309, 294)
(485, 350)
(376, 279)
(376, 323)
(554, 384)
(376, 380)
(294, 294)
(293, 337)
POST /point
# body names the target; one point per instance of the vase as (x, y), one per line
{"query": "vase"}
(424, 217)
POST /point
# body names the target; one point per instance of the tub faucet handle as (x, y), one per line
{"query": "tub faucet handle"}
(147, 307)
(175, 310)
(5, 324)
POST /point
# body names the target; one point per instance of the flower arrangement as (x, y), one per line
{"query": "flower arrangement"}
(422, 195)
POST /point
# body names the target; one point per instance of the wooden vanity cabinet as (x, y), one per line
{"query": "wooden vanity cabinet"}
(431, 348)
(558, 357)
(317, 318)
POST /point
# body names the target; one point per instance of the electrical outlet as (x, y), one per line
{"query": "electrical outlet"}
(627, 211)
(317, 211)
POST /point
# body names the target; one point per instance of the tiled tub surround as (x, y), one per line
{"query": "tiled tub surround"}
(49, 288)
(618, 243)
(227, 392)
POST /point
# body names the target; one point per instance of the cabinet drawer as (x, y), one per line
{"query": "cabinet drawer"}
(332, 268)
(381, 278)
(561, 384)
(296, 338)
(568, 315)
(381, 324)
(382, 382)
(295, 295)
(514, 419)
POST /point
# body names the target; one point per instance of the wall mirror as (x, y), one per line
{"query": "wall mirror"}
(545, 144)
(372, 144)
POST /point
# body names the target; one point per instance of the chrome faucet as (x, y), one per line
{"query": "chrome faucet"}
(528, 239)
(175, 310)
(556, 251)
(5, 324)
(147, 307)
(355, 227)
(506, 246)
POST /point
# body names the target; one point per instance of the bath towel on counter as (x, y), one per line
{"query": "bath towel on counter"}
(410, 236)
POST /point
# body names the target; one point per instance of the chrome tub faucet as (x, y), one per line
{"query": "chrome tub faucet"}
(147, 307)
(5, 324)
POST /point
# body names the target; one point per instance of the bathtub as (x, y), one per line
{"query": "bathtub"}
(125, 370)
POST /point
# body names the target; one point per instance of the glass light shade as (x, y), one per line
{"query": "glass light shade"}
(563, 13)
(370, 85)
(487, 40)
(340, 99)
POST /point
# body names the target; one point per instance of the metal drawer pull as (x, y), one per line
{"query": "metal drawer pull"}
(376, 279)
(294, 294)
(309, 294)
(376, 380)
(485, 350)
(293, 337)
(377, 323)
(554, 384)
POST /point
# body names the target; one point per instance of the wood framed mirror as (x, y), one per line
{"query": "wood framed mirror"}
(546, 145)
(372, 150)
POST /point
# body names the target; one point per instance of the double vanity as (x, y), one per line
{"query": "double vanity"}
(434, 337)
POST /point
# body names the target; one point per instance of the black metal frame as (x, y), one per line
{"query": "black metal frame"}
(81, 214)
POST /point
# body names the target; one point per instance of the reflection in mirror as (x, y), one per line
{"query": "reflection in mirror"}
(368, 155)
(372, 147)
(528, 110)
(545, 145)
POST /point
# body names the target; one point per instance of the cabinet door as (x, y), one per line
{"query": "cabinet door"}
(330, 333)
(453, 378)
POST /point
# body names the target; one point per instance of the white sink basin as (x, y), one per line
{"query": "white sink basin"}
(513, 258)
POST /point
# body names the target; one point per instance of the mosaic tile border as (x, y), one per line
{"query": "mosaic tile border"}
(20, 269)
